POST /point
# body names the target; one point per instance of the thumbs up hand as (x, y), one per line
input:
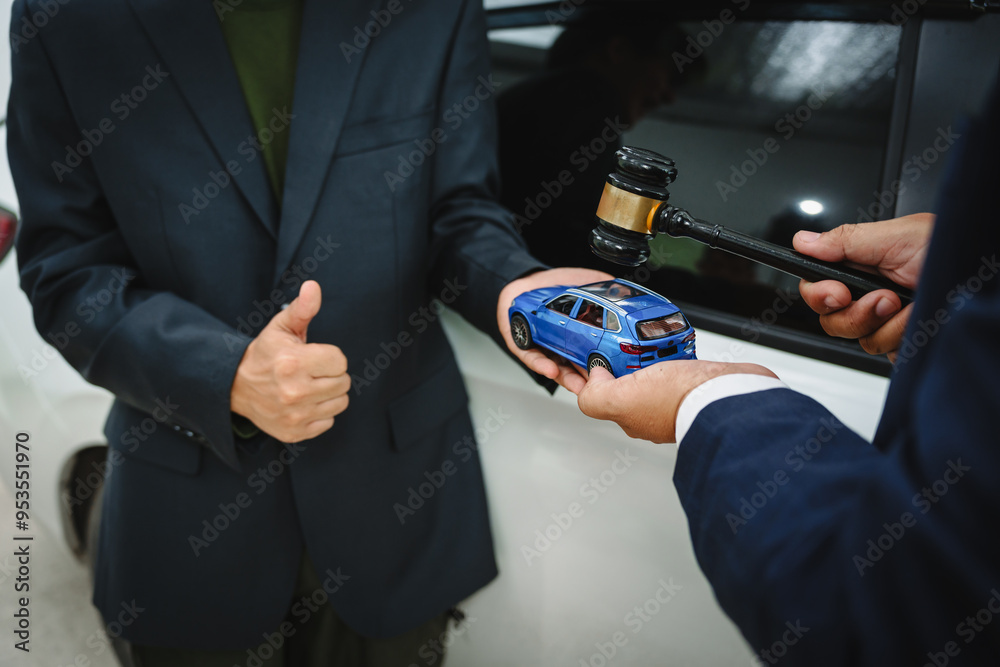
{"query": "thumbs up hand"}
(289, 388)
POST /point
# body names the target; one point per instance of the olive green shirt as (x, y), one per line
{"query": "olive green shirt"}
(263, 40)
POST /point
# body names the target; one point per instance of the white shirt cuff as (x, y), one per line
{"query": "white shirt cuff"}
(716, 389)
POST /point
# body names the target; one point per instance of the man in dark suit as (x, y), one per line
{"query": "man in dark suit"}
(824, 549)
(185, 170)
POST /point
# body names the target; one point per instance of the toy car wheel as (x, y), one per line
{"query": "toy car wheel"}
(520, 332)
(598, 361)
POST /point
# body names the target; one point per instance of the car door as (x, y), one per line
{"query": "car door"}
(551, 319)
(584, 331)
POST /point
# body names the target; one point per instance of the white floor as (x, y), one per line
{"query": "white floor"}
(65, 628)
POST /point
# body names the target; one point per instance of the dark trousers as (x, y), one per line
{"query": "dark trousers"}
(323, 640)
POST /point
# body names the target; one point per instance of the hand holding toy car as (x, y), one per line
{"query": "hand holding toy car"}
(613, 324)
(538, 360)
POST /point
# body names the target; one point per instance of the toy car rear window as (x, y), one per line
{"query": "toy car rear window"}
(614, 291)
(660, 327)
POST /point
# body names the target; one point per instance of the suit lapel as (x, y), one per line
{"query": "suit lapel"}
(187, 36)
(324, 84)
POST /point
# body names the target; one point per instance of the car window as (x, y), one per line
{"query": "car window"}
(612, 324)
(775, 126)
(563, 305)
(591, 314)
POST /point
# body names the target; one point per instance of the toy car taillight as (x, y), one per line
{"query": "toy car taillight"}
(628, 348)
(663, 326)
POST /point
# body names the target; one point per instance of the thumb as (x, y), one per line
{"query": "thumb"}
(296, 317)
(593, 398)
(863, 243)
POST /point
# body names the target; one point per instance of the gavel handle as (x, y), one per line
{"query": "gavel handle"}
(679, 223)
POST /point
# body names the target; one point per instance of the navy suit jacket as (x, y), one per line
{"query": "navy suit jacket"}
(827, 550)
(152, 250)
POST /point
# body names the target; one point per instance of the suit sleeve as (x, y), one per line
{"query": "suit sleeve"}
(888, 554)
(825, 551)
(150, 348)
(473, 236)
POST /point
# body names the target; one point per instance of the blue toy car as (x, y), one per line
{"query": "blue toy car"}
(614, 324)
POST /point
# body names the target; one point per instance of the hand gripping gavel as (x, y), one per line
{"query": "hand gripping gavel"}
(634, 209)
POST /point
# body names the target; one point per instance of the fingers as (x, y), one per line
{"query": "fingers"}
(324, 389)
(306, 419)
(862, 317)
(877, 320)
(537, 361)
(332, 407)
(553, 367)
(887, 338)
(594, 397)
(301, 363)
(896, 248)
(570, 378)
(314, 429)
(323, 361)
(299, 383)
(825, 296)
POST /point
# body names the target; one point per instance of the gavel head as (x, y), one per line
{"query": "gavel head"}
(632, 195)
